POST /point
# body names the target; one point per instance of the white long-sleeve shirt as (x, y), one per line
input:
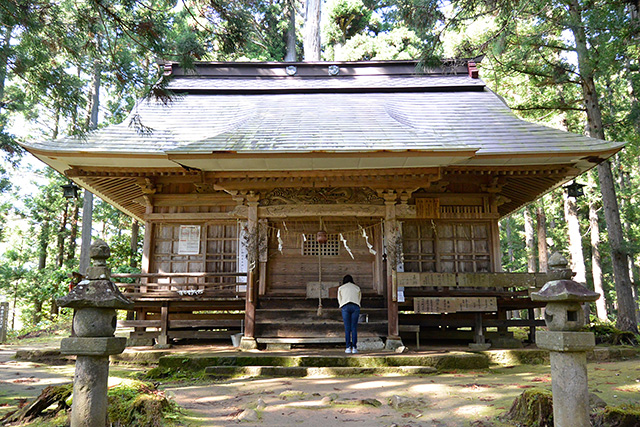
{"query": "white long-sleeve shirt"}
(347, 293)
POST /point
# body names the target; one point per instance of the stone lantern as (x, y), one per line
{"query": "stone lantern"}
(568, 347)
(95, 300)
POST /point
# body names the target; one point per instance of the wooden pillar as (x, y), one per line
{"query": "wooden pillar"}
(252, 250)
(163, 338)
(478, 330)
(390, 232)
(532, 325)
(496, 252)
(145, 267)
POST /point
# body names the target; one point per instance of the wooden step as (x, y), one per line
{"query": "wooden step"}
(307, 315)
(272, 302)
(324, 329)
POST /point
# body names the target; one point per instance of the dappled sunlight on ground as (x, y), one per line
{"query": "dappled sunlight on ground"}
(376, 384)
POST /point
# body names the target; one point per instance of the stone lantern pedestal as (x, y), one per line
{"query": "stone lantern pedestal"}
(568, 348)
(95, 301)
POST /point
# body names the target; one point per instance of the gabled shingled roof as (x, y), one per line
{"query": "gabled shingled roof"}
(368, 107)
(305, 116)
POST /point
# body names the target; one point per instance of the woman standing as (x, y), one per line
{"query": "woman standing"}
(349, 297)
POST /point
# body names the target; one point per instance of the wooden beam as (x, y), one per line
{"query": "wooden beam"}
(299, 210)
(188, 217)
(193, 199)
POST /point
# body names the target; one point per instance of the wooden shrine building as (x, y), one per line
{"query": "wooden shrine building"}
(406, 172)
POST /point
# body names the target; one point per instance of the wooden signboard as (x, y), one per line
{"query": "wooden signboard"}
(414, 280)
(313, 288)
(189, 240)
(427, 208)
(454, 305)
(438, 279)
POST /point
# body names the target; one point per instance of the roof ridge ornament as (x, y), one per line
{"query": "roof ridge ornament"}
(291, 70)
(473, 70)
(334, 70)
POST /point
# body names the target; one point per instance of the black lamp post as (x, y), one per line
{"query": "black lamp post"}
(575, 189)
(70, 190)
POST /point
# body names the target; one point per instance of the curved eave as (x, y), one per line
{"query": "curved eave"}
(317, 160)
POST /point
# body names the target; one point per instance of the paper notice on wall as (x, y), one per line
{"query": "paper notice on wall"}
(189, 243)
(400, 294)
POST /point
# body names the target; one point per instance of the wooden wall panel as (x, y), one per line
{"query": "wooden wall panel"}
(289, 271)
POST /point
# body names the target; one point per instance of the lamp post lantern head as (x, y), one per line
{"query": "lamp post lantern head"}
(70, 190)
(575, 189)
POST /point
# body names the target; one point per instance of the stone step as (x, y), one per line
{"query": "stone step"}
(316, 372)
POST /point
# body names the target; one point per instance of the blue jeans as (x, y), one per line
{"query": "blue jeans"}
(350, 315)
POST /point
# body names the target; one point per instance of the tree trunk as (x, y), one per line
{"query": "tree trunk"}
(529, 240)
(4, 59)
(311, 42)
(61, 232)
(73, 234)
(291, 34)
(509, 242)
(596, 262)
(575, 239)
(43, 244)
(87, 216)
(543, 250)
(133, 244)
(626, 319)
(87, 206)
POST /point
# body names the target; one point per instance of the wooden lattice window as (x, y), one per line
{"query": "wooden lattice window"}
(430, 246)
(311, 247)
(218, 253)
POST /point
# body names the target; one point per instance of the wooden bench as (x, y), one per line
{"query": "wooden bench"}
(412, 328)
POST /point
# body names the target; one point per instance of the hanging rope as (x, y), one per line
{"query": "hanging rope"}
(319, 312)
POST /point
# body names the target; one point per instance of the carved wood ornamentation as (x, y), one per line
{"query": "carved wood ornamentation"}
(321, 196)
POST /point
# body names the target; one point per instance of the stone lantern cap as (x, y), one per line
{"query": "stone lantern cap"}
(95, 293)
(564, 291)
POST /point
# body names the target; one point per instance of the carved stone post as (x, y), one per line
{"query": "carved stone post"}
(568, 349)
(95, 301)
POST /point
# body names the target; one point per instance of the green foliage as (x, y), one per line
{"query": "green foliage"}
(399, 43)
(619, 416)
(607, 333)
(140, 404)
(346, 18)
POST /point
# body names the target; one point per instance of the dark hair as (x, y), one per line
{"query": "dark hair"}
(347, 279)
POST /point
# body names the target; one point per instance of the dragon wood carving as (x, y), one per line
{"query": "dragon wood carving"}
(318, 196)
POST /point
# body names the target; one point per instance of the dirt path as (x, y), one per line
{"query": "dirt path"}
(452, 399)
(21, 381)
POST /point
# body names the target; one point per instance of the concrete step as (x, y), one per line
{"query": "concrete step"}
(316, 372)
(440, 361)
(365, 343)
